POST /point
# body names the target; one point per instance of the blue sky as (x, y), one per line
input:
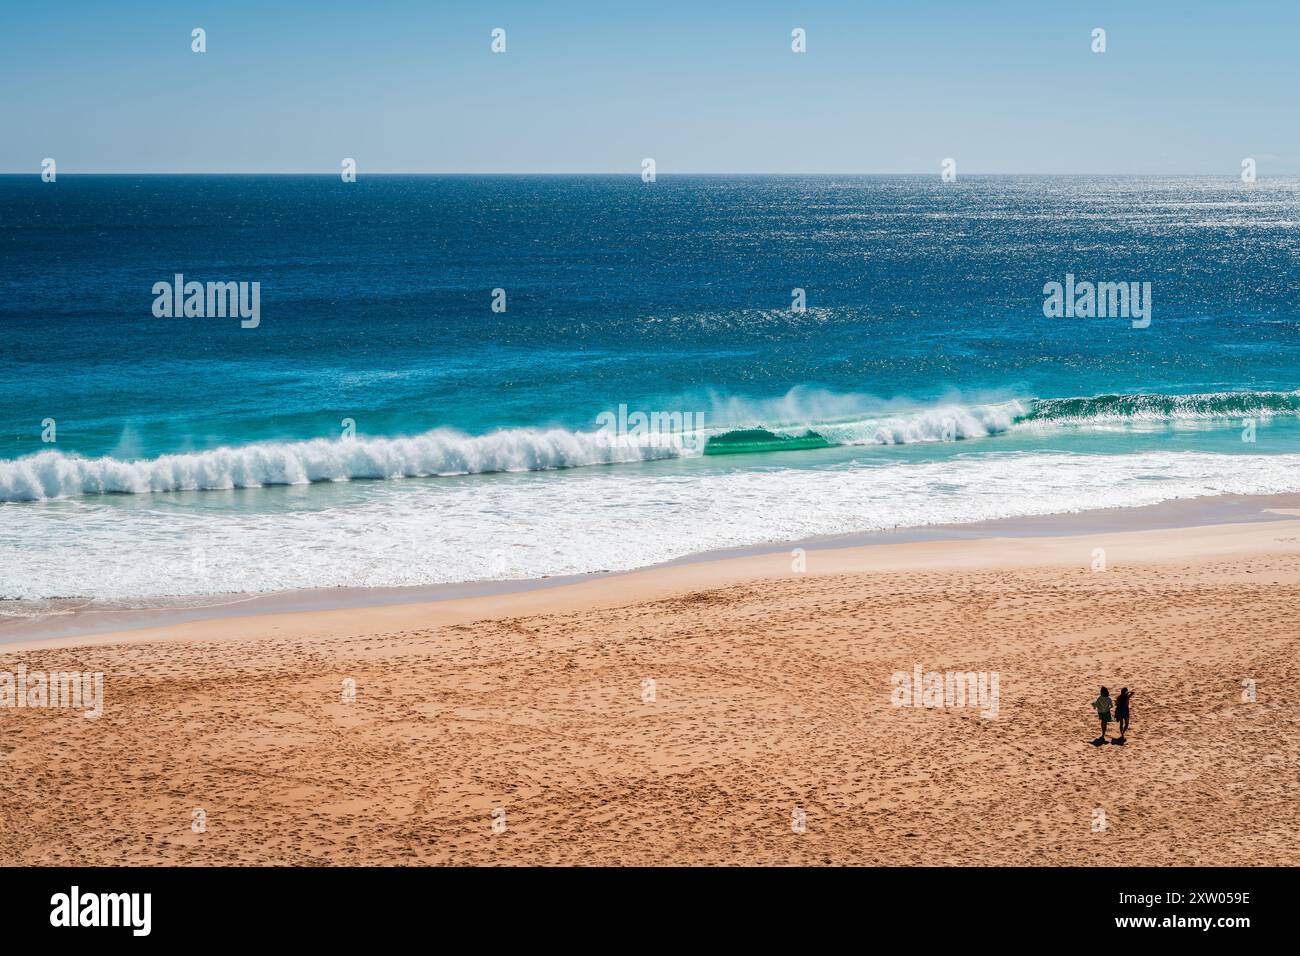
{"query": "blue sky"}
(1003, 87)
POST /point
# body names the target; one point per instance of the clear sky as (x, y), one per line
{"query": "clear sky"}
(890, 86)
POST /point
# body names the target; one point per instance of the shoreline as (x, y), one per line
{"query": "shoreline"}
(770, 695)
(937, 545)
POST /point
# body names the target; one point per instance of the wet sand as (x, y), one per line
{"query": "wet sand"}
(773, 693)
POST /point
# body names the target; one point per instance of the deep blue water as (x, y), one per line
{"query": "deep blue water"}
(924, 308)
(376, 297)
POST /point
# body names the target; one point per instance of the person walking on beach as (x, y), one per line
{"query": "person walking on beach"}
(1121, 712)
(1102, 706)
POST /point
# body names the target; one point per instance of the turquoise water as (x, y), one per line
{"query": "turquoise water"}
(922, 383)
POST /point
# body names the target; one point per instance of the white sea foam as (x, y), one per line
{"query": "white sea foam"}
(840, 419)
(943, 423)
(529, 525)
(53, 474)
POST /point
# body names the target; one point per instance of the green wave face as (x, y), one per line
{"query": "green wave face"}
(1118, 408)
(955, 423)
(747, 441)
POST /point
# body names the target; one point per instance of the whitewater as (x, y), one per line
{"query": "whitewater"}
(534, 524)
(447, 452)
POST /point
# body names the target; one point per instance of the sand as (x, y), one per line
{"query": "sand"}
(773, 693)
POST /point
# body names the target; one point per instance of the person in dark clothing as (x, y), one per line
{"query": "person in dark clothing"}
(1121, 711)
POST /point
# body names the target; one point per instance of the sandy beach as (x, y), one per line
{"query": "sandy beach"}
(736, 711)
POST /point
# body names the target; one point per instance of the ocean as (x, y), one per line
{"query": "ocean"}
(438, 381)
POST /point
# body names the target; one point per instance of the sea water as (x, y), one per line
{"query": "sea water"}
(428, 391)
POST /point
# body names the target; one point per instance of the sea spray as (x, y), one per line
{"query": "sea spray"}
(795, 426)
(51, 474)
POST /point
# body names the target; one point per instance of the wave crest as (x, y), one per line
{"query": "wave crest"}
(1109, 409)
(792, 424)
(52, 474)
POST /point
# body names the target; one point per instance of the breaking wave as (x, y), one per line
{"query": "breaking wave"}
(53, 474)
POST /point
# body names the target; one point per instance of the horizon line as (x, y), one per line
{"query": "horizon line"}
(633, 173)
